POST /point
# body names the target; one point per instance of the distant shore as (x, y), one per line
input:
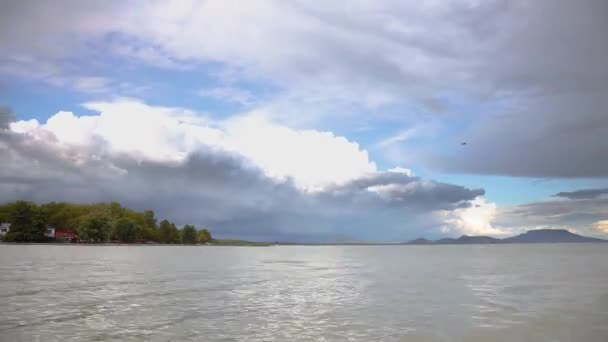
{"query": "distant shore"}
(265, 244)
(213, 244)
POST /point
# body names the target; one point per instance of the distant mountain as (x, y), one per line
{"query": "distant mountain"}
(531, 236)
(465, 239)
(420, 241)
(549, 236)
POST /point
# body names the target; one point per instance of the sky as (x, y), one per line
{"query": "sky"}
(311, 120)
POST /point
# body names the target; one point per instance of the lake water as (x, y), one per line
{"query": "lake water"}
(553, 292)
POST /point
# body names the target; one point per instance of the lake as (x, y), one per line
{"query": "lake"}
(552, 292)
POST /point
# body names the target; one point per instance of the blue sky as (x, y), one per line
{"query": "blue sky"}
(360, 91)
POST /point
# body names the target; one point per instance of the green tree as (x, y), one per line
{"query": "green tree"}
(168, 232)
(95, 229)
(149, 219)
(116, 211)
(189, 234)
(204, 236)
(28, 222)
(63, 215)
(94, 222)
(149, 230)
(176, 234)
(126, 230)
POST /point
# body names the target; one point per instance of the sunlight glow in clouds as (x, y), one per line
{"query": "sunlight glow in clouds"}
(475, 220)
(602, 226)
(313, 159)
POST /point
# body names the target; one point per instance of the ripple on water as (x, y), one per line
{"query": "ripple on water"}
(296, 293)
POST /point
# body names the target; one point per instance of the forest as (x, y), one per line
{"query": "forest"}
(94, 223)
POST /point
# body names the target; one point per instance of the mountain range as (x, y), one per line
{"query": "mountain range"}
(531, 236)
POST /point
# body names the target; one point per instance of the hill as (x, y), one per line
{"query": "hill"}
(531, 236)
(550, 236)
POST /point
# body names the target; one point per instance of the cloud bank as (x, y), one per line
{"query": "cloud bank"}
(531, 74)
(293, 185)
(583, 211)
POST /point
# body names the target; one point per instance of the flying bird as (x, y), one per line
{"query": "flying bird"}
(463, 143)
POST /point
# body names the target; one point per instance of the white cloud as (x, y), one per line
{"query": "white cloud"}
(313, 159)
(399, 137)
(24, 126)
(474, 220)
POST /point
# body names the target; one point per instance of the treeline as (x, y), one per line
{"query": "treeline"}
(101, 222)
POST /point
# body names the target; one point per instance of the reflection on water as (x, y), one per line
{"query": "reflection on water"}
(298, 293)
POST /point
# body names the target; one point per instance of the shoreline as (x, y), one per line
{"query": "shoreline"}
(263, 244)
(132, 244)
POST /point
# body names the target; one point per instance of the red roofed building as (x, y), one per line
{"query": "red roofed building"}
(65, 235)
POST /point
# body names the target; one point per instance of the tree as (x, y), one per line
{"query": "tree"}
(204, 236)
(58, 213)
(116, 211)
(149, 230)
(175, 235)
(126, 230)
(28, 222)
(168, 232)
(98, 222)
(149, 219)
(95, 229)
(189, 234)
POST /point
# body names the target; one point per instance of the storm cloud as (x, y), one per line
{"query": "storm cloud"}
(583, 194)
(226, 192)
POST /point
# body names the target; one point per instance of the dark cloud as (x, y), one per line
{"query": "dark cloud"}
(399, 189)
(37, 28)
(226, 193)
(542, 84)
(582, 194)
(551, 136)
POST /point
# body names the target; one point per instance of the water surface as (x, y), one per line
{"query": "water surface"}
(555, 292)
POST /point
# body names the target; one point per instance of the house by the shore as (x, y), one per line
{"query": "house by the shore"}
(65, 235)
(51, 233)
